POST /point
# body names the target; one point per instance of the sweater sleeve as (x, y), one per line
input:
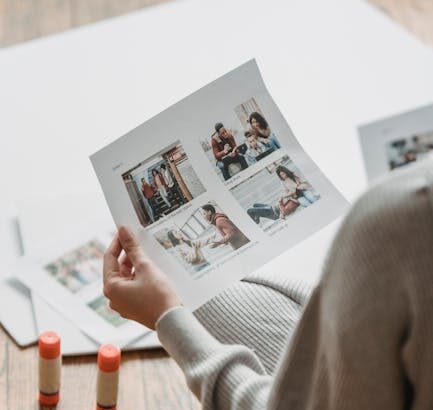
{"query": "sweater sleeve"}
(223, 377)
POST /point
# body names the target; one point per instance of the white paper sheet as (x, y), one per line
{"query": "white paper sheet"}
(184, 226)
(71, 282)
(14, 296)
(396, 141)
(40, 220)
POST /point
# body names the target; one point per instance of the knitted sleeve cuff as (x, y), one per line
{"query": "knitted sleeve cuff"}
(182, 335)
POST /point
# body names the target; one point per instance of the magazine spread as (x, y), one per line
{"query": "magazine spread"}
(216, 185)
(397, 141)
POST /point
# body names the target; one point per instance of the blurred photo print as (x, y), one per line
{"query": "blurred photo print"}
(406, 150)
(397, 141)
(78, 268)
(161, 184)
(275, 193)
(100, 306)
(239, 141)
(205, 238)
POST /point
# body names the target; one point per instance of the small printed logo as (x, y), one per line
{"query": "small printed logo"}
(116, 167)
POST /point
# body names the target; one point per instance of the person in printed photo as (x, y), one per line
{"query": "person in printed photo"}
(167, 176)
(295, 188)
(161, 186)
(171, 184)
(261, 127)
(295, 193)
(225, 150)
(148, 198)
(230, 233)
(255, 147)
(190, 250)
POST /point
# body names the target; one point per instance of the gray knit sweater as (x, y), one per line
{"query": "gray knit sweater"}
(365, 339)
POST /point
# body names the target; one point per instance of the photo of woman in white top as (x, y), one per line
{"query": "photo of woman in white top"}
(295, 188)
(190, 250)
(161, 186)
(295, 193)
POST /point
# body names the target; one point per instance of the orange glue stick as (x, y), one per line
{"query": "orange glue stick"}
(50, 363)
(108, 377)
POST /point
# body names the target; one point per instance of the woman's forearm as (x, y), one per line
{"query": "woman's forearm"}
(223, 377)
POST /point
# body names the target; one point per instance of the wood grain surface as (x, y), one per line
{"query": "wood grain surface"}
(148, 380)
(415, 15)
(22, 20)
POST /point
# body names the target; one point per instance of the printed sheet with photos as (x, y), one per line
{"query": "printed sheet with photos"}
(216, 185)
(86, 212)
(397, 141)
(70, 281)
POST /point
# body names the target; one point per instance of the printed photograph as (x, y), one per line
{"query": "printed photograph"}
(100, 306)
(162, 183)
(206, 237)
(78, 268)
(404, 151)
(242, 140)
(275, 193)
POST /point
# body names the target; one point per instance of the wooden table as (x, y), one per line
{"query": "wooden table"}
(150, 378)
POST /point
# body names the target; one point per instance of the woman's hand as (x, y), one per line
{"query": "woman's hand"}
(136, 288)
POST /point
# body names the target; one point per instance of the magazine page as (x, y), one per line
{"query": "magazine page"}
(396, 141)
(216, 185)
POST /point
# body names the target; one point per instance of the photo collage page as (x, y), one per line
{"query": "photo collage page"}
(165, 189)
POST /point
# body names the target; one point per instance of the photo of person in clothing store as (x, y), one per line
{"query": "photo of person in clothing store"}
(201, 238)
(274, 193)
(240, 141)
(161, 184)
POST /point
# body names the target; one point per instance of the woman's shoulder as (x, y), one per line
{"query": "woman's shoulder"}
(404, 191)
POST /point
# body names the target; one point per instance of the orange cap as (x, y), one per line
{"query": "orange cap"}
(108, 358)
(49, 345)
(49, 400)
(98, 407)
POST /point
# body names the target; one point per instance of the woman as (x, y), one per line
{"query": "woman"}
(261, 127)
(364, 339)
(188, 250)
(294, 188)
(161, 186)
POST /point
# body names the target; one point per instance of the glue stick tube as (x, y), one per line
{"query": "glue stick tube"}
(108, 377)
(50, 363)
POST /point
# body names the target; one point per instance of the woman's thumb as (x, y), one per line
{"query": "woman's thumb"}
(130, 245)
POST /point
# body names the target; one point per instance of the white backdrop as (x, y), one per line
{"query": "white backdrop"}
(330, 65)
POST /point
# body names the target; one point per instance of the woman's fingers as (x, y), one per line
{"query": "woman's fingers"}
(131, 246)
(111, 256)
(126, 265)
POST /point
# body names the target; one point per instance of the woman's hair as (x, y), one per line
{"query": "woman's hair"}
(176, 241)
(155, 172)
(259, 118)
(286, 171)
(209, 208)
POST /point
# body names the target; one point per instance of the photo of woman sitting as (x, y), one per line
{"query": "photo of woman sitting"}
(294, 187)
(295, 193)
(189, 250)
